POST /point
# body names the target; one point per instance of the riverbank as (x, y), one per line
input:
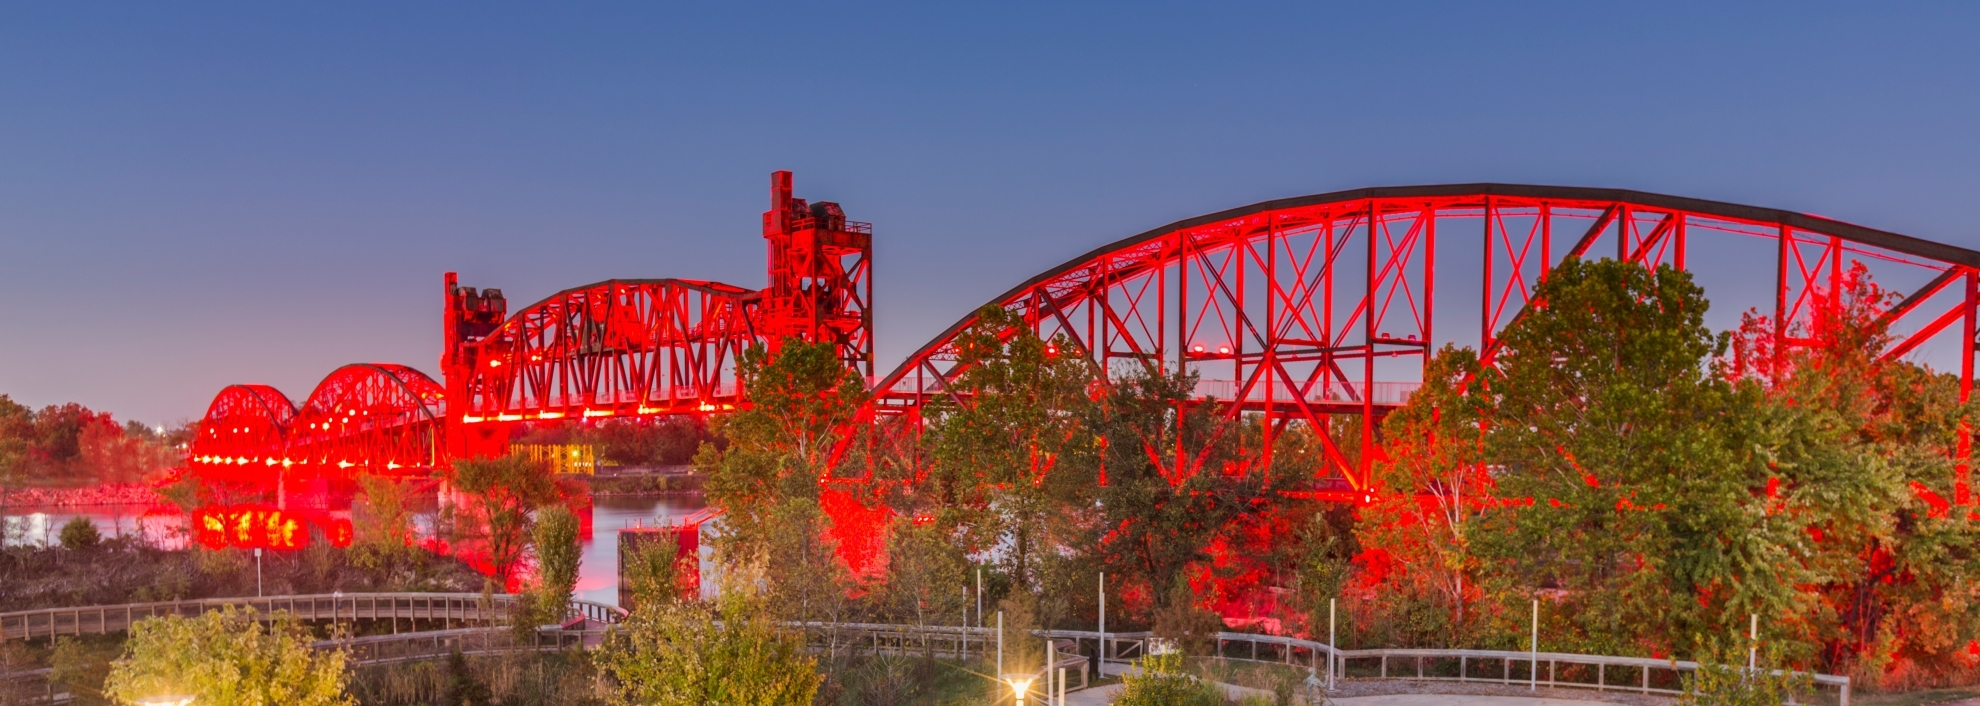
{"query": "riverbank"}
(84, 496)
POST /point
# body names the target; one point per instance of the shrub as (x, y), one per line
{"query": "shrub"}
(1163, 682)
(80, 534)
(227, 658)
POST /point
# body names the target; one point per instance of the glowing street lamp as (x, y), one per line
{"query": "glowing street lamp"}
(166, 701)
(1020, 685)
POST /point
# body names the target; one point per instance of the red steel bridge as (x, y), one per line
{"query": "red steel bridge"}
(1299, 309)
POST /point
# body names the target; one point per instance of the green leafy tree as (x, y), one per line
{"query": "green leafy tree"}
(1897, 607)
(1643, 474)
(382, 524)
(925, 576)
(500, 496)
(803, 400)
(686, 654)
(228, 658)
(1180, 481)
(80, 666)
(79, 534)
(652, 573)
(555, 537)
(1013, 456)
(16, 438)
(802, 574)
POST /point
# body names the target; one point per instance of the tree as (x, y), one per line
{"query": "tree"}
(16, 438)
(924, 576)
(1663, 501)
(500, 494)
(1013, 457)
(801, 572)
(1428, 488)
(382, 524)
(803, 401)
(685, 654)
(557, 556)
(228, 658)
(79, 534)
(1896, 607)
(1180, 486)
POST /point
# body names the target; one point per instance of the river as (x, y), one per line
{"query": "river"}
(598, 574)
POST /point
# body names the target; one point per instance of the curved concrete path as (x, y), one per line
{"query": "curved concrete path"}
(1101, 696)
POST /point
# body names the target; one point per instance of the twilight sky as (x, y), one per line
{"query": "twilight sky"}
(193, 194)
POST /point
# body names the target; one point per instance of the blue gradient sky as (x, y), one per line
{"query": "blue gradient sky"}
(194, 195)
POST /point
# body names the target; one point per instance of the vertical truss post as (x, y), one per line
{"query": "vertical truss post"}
(1429, 315)
(1268, 358)
(1963, 462)
(1679, 234)
(1485, 314)
(1364, 465)
(1835, 271)
(1546, 240)
(1786, 243)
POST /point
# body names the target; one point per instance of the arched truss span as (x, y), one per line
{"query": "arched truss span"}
(380, 417)
(1307, 307)
(244, 428)
(614, 348)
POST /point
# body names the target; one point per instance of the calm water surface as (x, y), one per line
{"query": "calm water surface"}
(598, 577)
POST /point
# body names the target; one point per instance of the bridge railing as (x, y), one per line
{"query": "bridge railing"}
(447, 608)
(1554, 670)
(409, 647)
(1551, 669)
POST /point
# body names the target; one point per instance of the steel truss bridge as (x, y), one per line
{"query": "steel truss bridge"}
(1298, 310)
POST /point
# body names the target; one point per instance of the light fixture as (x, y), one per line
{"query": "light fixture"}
(166, 701)
(1020, 685)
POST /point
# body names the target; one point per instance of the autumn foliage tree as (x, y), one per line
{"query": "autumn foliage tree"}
(1897, 606)
(1417, 574)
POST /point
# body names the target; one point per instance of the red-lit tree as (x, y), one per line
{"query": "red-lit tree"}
(1417, 568)
(1897, 609)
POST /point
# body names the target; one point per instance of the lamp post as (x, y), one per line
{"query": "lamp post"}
(166, 701)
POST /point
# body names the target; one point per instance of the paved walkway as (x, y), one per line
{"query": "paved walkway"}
(1459, 700)
(1101, 696)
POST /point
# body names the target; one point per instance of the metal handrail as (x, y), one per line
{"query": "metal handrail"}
(117, 618)
(1110, 645)
(1338, 659)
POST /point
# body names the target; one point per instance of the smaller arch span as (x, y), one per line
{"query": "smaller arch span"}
(381, 417)
(244, 428)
